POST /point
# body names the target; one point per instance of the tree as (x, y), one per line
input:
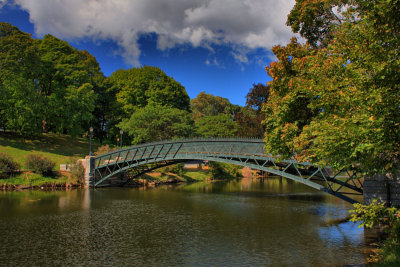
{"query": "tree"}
(221, 125)
(138, 87)
(20, 104)
(156, 123)
(67, 83)
(209, 105)
(250, 117)
(315, 20)
(46, 85)
(249, 122)
(257, 96)
(338, 104)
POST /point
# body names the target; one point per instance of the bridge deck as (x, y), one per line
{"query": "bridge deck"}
(243, 152)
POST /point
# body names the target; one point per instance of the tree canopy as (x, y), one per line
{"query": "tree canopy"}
(156, 123)
(45, 84)
(209, 105)
(138, 87)
(338, 103)
(221, 125)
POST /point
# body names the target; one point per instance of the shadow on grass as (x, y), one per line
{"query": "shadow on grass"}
(51, 143)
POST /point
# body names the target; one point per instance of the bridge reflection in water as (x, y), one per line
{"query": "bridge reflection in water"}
(244, 152)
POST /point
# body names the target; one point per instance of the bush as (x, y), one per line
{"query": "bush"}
(7, 165)
(178, 169)
(104, 150)
(217, 170)
(373, 214)
(40, 164)
(388, 219)
(78, 172)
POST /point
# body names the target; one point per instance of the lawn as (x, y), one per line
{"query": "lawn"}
(59, 148)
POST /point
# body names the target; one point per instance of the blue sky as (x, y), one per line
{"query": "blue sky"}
(217, 46)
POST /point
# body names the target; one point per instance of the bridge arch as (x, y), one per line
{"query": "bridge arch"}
(243, 152)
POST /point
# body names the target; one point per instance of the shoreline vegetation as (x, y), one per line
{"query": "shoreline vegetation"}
(62, 149)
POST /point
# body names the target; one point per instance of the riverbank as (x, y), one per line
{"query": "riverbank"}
(65, 180)
(30, 180)
(59, 148)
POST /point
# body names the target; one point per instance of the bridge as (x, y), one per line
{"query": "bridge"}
(244, 152)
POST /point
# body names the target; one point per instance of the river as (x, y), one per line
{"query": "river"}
(237, 223)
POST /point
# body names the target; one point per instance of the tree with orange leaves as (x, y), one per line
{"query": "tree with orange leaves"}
(335, 100)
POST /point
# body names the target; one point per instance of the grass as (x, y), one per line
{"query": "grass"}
(189, 176)
(35, 180)
(192, 176)
(390, 254)
(59, 148)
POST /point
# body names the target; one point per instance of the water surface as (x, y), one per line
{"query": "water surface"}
(237, 223)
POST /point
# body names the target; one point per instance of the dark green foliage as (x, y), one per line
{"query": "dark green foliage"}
(335, 100)
(221, 125)
(138, 87)
(132, 90)
(221, 170)
(315, 20)
(156, 123)
(217, 170)
(387, 218)
(40, 164)
(46, 85)
(178, 169)
(209, 105)
(7, 165)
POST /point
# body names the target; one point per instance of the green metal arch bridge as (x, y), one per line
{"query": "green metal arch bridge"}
(244, 152)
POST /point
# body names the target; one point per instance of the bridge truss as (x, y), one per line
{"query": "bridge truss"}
(244, 152)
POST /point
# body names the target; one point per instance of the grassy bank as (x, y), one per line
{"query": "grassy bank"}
(59, 148)
(32, 180)
(188, 176)
(64, 149)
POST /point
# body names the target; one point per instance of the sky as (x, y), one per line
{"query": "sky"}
(218, 46)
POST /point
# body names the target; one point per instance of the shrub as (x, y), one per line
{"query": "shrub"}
(40, 164)
(373, 214)
(104, 150)
(7, 165)
(178, 169)
(217, 170)
(78, 172)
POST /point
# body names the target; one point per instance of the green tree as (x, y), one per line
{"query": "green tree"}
(67, 83)
(209, 105)
(138, 87)
(221, 125)
(156, 123)
(338, 104)
(46, 85)
(20, 105)
(315, 20)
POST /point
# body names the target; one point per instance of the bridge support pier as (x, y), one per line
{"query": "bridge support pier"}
(88, 164)
(380, 187)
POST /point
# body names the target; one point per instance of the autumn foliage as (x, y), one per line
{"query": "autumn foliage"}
(338, 103)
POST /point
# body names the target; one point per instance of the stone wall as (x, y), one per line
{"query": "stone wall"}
(383, 189)
(89, 164)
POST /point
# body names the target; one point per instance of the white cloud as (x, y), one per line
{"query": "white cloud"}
(248, 24)
(2, 3)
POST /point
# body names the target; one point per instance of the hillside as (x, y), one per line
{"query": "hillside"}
(59, 148)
